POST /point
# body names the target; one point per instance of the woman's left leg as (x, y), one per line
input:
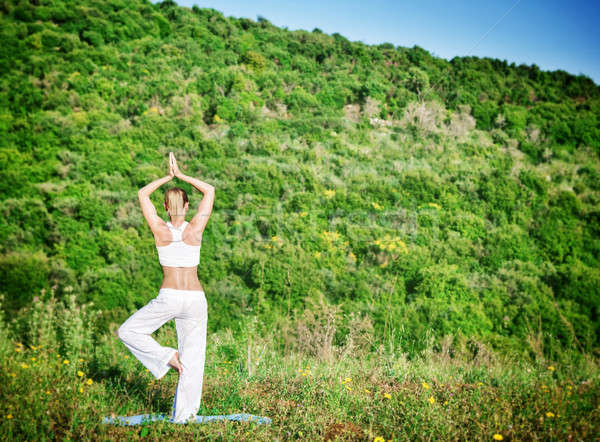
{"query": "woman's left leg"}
(136, 332)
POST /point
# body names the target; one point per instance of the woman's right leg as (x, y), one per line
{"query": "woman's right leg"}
(136, 332)
(191, 337)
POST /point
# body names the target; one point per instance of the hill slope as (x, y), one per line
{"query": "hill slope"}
(456, 197)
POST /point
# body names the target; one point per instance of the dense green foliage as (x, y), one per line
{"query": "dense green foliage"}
(456, 197)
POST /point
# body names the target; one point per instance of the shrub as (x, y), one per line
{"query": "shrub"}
(22, 275)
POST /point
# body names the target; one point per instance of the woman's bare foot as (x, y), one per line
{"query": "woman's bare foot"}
(175, 363)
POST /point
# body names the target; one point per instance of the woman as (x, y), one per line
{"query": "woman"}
(181, 295)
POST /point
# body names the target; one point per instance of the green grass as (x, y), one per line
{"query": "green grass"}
(346, 392)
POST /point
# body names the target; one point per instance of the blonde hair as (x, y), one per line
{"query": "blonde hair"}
(175, 199)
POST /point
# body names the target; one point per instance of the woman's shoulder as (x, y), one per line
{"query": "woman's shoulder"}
(162, 234)
(192, 234)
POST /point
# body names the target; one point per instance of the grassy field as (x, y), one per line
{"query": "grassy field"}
(65, 379)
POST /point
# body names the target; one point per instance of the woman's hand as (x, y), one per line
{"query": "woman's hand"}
(171, 171)
(173, 166)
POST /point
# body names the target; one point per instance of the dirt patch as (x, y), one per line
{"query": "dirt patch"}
(344, 431)
(352, 112)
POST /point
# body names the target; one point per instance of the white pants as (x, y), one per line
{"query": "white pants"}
(190, 310)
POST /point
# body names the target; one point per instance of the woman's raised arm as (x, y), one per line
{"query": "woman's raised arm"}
(199, 221)
(148, 209)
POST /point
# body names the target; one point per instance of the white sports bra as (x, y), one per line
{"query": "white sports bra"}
(178, 253)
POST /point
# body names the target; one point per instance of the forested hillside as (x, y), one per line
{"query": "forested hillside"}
(433, 197)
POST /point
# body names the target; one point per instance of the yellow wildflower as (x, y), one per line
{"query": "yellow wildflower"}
(80, 373)
(153, 110)
(13, 374)
(329, 193)
(66, 361)
(497, 436)
(81, 389)
(348, 388)
(126, 356)
(379, 439)
(387, 395)
(431, 399)
(48, 392)
(80, 360)
(479, 384)
(446, 402)
(33, 359)
(551, 368)
(24, 365)
(331, 235)
(367, 391)
(18, 349)
(300, 370)
(425, 385)
(9, 416)
(549, 414)
(89, 382)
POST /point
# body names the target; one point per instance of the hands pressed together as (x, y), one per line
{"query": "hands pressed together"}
(175, 172)
(173, 168)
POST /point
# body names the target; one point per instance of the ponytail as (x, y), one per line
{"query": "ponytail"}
(175, 199)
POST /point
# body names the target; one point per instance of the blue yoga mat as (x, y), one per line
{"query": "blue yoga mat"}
(143, 418)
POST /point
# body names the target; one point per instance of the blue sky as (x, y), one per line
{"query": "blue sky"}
(552, 34)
